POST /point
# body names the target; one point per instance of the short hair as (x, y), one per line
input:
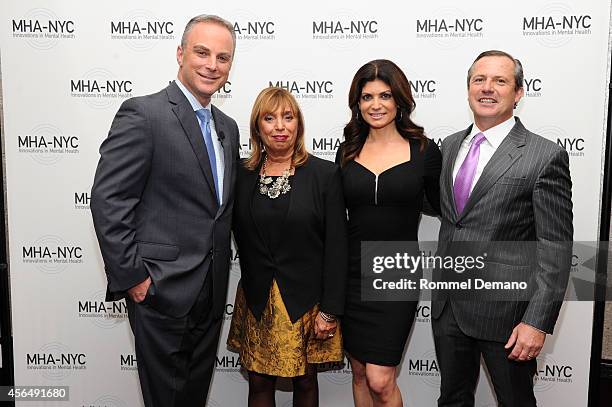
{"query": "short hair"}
(268, 101)
(518, 67)
(208, 18)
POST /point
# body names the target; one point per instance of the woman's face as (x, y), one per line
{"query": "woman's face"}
(278, 131)
(377, 105)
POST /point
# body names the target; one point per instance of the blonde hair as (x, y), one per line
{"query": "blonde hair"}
(268, 101)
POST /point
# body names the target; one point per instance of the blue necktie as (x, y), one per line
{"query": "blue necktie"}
(204, 115)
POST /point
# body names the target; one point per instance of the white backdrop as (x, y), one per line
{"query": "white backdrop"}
(67, 66)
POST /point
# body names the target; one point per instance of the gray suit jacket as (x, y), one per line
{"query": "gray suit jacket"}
(523, 194)
(154, 204)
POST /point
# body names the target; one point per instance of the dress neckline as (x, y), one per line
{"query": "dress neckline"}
(382, 172)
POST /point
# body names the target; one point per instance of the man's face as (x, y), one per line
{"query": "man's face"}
(206, 59)
(492, 92)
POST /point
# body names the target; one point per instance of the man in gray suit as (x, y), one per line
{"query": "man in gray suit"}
(501, 183)
(162, 206)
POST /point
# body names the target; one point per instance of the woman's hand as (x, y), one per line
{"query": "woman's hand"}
(324, 330)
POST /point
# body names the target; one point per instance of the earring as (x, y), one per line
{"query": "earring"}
(515, 104)
(357, 117)
(401, 114)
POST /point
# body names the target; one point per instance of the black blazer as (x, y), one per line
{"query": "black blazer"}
(154, 204)
(311, 260)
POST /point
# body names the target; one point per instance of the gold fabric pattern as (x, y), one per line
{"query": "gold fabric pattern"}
(275, 346)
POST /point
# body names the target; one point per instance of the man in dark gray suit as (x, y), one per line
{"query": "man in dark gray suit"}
(162, 206)
(501, 183)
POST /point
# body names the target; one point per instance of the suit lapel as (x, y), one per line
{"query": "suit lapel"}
(223, 133)
(448, 165)
(186, 116)
(504, 157)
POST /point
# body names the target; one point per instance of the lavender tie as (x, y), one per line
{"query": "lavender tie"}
(465, 176)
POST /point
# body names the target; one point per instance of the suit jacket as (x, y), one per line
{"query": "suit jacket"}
(523, 194)
(154, 204)
(311, 260)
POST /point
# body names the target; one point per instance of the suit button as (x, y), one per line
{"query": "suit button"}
(210, 252)
(458, 225)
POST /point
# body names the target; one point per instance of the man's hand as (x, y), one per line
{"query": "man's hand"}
(139, 291)
(324, 330)
(527, 341)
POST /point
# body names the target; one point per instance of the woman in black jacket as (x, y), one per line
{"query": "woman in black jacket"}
(290, 229)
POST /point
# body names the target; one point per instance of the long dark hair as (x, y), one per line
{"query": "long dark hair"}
(356, 131)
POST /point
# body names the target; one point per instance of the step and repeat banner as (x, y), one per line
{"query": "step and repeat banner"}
(68, 65)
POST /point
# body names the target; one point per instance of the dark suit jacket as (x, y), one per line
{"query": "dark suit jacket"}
(153, 202)
(310, 263)
(523, 194)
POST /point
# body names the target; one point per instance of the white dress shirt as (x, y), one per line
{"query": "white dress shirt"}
(494, 137)
(217, 145)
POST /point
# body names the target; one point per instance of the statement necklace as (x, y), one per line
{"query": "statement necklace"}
(274, 188)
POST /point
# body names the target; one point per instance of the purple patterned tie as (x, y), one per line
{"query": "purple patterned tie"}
(465, 176)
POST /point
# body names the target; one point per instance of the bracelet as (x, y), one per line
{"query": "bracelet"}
(327, 317)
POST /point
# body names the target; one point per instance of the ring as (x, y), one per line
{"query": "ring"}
(530, 356)
(330, 335)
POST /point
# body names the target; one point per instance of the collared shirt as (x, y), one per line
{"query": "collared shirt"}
(494, 137)
(213, 132)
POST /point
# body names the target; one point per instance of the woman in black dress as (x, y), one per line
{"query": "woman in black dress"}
(290, 228)
(387, 166)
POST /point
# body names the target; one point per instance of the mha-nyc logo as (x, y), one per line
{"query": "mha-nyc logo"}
(147, 30)
(81, 200)
(423, 88)
(51, 254)
(228, 312)
(550, 373)
(255, 30)
(326, 146)
(532, 87)
(425, 368)
(128, 362)
(141, 30)
(100, 88)
(42, 29)
(457, 27)
(224, 92)
(101, 313)
(557, 25)
(229, 364)
(56, 361)
(307, 89)
(423, 313)
(47, 144)
(575, 146)
(345, 29)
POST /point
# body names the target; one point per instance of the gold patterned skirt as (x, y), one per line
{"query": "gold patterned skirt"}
(274, 345)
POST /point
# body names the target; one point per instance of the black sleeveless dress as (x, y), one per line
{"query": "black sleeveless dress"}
(384, 207)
